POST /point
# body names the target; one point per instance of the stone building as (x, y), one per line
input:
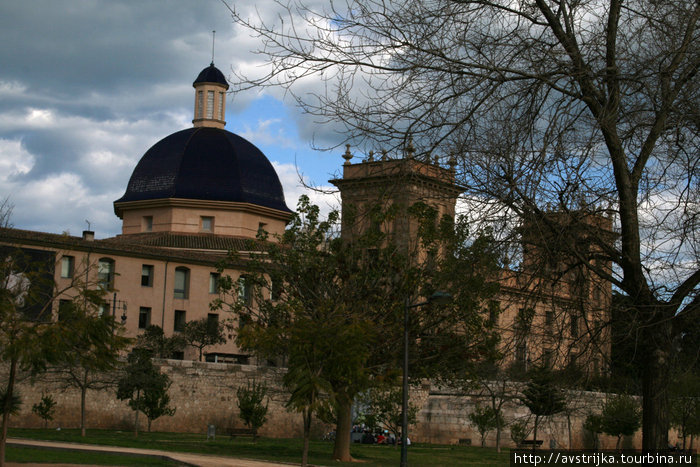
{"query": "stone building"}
(193, 196)
(203, 191)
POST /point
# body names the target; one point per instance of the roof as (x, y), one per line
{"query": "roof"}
(206, 249)
(205, 163)
(211, 74)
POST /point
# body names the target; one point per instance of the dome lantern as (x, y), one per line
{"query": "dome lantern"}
(210, 98)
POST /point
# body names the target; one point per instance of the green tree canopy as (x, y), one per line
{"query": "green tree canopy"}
(333, 307)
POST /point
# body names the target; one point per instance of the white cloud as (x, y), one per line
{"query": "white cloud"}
(14, 160)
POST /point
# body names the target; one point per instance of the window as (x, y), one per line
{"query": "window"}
(63, 309)
(244, 292)
(200, 104)
(147, 224)
(547, 358)
(214, 282)
(104, 309)
(144, 317)
(275, 288)
(549, 319)
(574, 326)
(221, 106)
(521, 352)
(210, 104)
(213, 322)
(207, 224)
(147, 275)
(105, 273)
(180, 320)
(182, 282)
(67, 266)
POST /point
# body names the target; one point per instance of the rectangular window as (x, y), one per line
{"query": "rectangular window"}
(180, 320)
(207, 224)
(182, 282)
(147, 224)
(63, 309)
(67, 266)
(147, 275)
(221, 106)
(213, 322)
(574, 326)
(549, 319)
(200, 104)
(105, 273)
(214, 282)
(210, 104)
(144, 317)
(244, 290)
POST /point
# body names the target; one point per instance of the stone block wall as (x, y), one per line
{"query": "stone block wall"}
(205, 393)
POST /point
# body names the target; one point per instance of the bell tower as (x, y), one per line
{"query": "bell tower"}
(210, 98)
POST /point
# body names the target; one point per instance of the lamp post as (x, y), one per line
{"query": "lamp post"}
(438, 298)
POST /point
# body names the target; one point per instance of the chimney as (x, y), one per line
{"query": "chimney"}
(88, 235)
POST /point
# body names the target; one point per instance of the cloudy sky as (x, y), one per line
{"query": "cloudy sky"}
(87, 86)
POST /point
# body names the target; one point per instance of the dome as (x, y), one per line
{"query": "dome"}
(205, 163)
(211, 74)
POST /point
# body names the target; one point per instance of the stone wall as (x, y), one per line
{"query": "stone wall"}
(205, 393)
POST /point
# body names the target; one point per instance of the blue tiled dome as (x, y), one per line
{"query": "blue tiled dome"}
(206, 164)
(211, 74)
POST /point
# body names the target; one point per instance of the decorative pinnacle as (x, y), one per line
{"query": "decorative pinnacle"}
(370, 158)
(410, 149)
(347, 155)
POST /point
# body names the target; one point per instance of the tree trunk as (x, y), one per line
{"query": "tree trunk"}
(655, 402)
(83, 393)
(341, 448)
(534, 434)
(307, 435)
(9, 389)
(149, 427)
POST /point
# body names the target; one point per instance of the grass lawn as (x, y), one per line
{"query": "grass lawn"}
(55, 456)
(281, 450)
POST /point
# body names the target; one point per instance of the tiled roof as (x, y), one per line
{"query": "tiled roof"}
(209, 164)
(196, 248)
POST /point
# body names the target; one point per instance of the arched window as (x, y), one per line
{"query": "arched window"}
(105, 273)
(182, 282)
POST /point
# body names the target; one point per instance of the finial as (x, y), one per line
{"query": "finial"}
(410, 150)
(452, 162)
(348, 155)
(384, 155)
(213, 39)
(370, 157)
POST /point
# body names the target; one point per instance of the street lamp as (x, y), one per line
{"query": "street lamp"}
(437, 298)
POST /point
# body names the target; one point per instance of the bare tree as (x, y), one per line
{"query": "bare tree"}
(588, 106)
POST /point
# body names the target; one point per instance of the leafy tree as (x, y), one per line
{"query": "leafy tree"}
(685, 406)
(594, 425)
(155, 401)
(202, 333)
(384, 409)
(30, 338)
(485, 419)
(589, 106)
(145, 387)
(95, 342)
(518, 432)
(250, 405)
(542, 397)
(153, 339)
(620, 417)
(311, 284)
(45, 408)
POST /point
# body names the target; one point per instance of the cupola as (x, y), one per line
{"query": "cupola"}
(210, 98)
